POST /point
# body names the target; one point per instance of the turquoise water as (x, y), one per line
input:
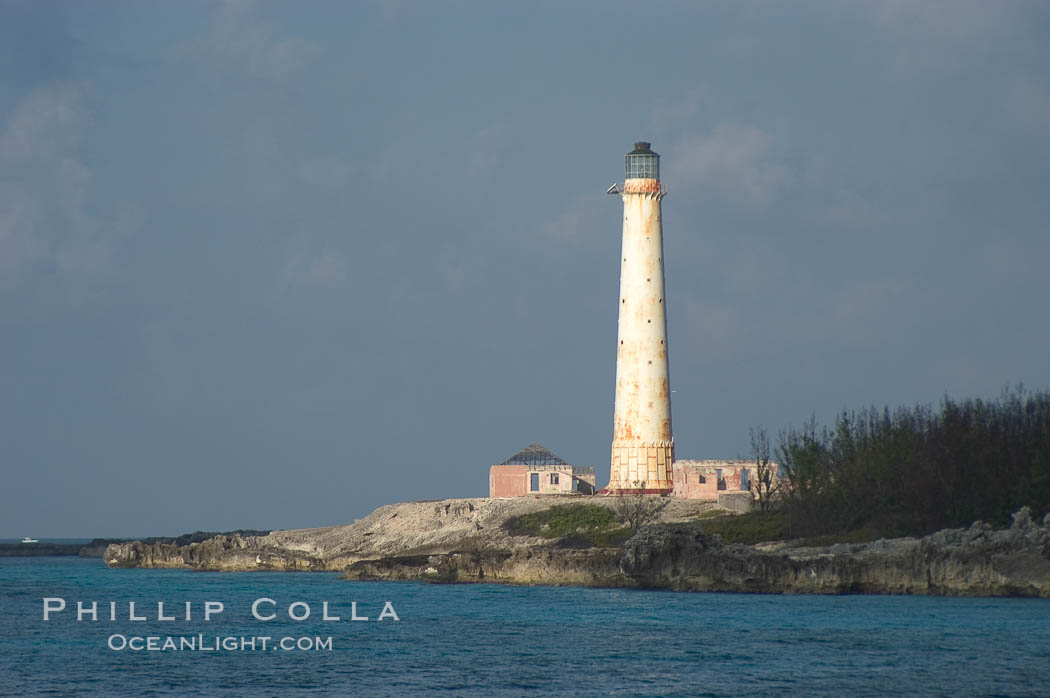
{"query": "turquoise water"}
(506, 641)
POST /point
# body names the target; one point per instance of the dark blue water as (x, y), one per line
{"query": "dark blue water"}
(498, 640)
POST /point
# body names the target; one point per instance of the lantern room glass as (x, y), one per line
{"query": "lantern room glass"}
(643, 165)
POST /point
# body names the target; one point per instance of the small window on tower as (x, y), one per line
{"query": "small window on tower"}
(554, 478)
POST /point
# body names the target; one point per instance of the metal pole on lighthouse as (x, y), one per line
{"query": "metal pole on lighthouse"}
(642, 447)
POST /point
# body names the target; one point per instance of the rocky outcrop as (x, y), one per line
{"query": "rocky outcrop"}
(394, 530)
(977, 561)
(226, 553)
(548, 566)
(464, 541)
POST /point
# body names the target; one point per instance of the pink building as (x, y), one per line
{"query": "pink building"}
(536, 470)
(707, 479)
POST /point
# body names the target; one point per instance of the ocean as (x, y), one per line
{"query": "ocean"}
(492, 640)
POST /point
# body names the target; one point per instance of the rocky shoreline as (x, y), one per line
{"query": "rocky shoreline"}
(462, 541)
(98, 546)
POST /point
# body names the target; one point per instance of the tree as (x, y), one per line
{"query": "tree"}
(636, 509)
(765, 485)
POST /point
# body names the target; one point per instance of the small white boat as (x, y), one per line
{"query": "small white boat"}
(27, 539)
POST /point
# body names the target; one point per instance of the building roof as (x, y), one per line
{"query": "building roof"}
(642, 148)
(534, 454)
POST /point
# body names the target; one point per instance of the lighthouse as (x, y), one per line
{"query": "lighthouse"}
(642, 447)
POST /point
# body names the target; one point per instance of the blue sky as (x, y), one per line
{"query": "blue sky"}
(274, 264)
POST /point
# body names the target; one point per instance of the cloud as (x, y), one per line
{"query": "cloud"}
(927, 40)
(671, 115)
(416, 155)
(307, 272)
(836, 201)
(578, 223)
(236, 41)
(488, 147)
(957, 20)
(398, 156)
(856, 306)
(326, 269)
(50, 234)
(326, 174)
(44, 123)
(734, 160)
(714, 328)
(390, 9)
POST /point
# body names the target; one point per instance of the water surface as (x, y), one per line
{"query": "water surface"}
(496, 640)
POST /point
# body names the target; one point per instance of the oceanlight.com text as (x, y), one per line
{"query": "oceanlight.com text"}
(218, 643)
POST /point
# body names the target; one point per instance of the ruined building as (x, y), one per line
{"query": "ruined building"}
(536, 470)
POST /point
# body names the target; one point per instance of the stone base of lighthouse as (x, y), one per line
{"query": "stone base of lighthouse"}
(641, 468)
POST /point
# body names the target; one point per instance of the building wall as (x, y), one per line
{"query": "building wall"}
(508, 481)
(514, 480)
(698, 479)
(547, 473)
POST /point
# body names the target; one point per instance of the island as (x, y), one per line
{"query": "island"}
(551, 540)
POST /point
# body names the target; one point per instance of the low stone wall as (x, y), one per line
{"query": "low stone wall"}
(736, 502)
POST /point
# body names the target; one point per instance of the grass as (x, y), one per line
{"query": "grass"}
(594, 525)
(757, 527)
(577, 525)
(748, 529)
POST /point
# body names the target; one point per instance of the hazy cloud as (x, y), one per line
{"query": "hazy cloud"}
(578, 222)
(956, 20)
(48, 228)
(712, 330)
(669, 116)
(488, 147)
(236, 40)
(326, 174)
(736, 161)
(854, 305)
(308, 269)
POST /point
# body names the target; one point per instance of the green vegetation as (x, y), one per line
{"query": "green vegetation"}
(578, 525)
(761, 527)
(878, 473)
(745, 528)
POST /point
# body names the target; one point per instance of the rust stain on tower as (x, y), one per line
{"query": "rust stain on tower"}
(643, 446)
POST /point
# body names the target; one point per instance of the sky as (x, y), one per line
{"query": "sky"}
(272, 265)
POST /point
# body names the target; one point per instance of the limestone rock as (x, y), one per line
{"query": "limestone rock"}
(462, 540)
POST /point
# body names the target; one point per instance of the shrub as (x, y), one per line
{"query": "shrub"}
(749, 529)
(577, 524)
(914, 470)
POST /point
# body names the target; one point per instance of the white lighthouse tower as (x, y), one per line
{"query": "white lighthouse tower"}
(642, 447)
